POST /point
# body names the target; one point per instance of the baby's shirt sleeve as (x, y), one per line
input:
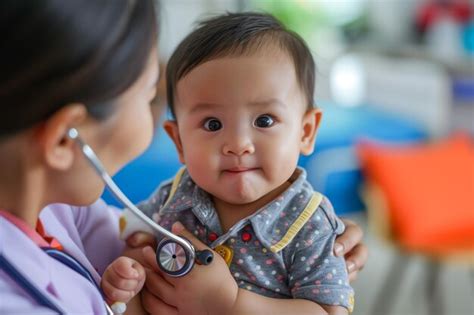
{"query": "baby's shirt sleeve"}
(314, 272)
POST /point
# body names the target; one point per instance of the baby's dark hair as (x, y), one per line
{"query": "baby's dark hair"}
(56, 52)
(237, 34)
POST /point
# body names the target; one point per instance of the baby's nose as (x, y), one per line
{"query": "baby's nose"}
(238, 146)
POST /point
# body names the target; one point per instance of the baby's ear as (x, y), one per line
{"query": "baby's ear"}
(310, 125)
(171, 128)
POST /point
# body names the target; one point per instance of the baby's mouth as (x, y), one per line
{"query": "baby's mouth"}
(239, 169)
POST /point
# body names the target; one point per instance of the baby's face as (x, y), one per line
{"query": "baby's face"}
(240, 123)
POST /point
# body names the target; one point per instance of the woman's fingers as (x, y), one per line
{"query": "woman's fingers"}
(160, 288)
(351, 247)
(355, 260)
(141, 239)
(179, 229)
(349, 239)
(149, 256)
(157, 281)
(154, 305)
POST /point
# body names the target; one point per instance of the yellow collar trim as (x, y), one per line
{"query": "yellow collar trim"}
(308, 211)
(175, 185)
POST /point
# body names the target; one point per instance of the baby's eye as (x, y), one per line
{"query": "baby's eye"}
(264, 121)
(212, 124)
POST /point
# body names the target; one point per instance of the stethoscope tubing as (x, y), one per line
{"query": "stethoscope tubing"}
(28, 286)
(120, 196)
(36, 293)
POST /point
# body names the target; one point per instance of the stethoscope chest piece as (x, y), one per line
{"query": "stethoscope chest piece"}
(173, 259)
(176, 261)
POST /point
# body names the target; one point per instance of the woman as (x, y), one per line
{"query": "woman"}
(91, 65)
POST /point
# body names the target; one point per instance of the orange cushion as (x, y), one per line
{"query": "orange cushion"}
(429, 190)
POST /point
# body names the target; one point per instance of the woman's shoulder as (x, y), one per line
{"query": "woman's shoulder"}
(69, 215)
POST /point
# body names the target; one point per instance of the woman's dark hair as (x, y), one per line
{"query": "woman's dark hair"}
(56, 52)
(236, 34)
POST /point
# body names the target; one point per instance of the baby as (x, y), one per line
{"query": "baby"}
(240, 89)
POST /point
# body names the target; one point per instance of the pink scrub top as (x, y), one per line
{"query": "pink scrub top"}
(89, 234)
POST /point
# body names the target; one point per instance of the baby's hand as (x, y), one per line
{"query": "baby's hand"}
(122, 280)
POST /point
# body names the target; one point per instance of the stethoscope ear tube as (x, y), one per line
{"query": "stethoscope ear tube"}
(174, 247)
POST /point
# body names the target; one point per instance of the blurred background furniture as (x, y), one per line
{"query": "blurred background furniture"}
(334, 169)
(420, 200)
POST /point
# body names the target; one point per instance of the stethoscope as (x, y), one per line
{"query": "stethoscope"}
(175, 255)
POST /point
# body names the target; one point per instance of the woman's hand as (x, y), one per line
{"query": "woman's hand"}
(209, 289)
(135, 244)
(350, 245)
(141, 239)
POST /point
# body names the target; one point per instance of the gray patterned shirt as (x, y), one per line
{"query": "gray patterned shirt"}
(283, 250)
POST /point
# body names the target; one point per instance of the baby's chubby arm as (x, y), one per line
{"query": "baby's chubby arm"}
(251, 303)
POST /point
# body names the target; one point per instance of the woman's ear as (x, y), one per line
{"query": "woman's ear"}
(310, 125)
(171, 128)
(57, 148)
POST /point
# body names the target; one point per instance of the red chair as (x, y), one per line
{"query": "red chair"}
(421, 199)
